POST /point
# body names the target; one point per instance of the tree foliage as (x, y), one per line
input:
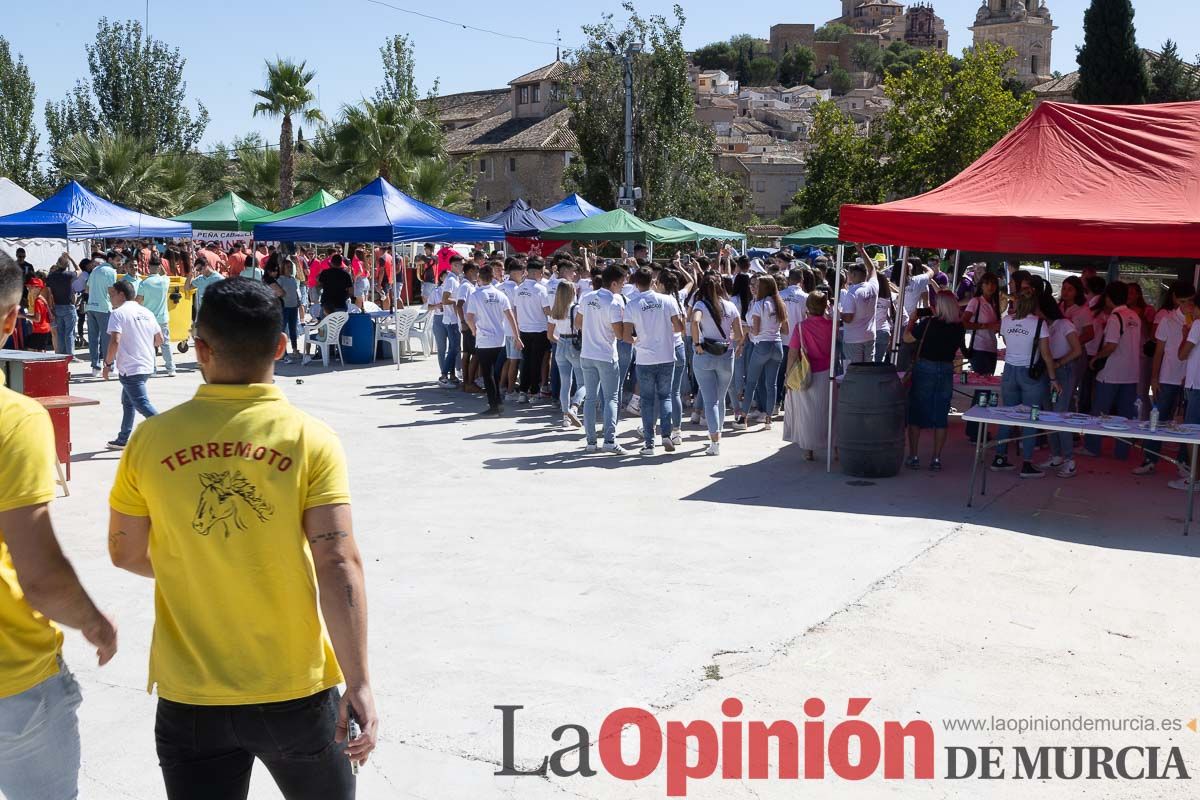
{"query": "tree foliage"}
(126, 170)
(1172, 80)
(399, 71)
(286, 96)
(673, 152)
(135, 87)
(1112, 69)
(761, 71)
(840, 81)
(833, 32)
(796, 66)
(18, 132)
(842, 167)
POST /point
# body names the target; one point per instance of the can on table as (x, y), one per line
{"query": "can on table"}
(1034, 413)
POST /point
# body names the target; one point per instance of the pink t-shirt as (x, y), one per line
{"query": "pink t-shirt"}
(315, 268)
(818, 339)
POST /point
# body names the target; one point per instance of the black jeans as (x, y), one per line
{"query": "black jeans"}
(536, 345)
(208, 751)
(488, 357)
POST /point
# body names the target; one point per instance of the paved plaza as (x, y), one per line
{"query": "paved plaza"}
(507, 567)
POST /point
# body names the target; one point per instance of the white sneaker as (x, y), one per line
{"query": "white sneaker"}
(1053, 463)
(695, 418)
(668, 445)
(647, 450)
(592, 448)
(767, 425)
(1068, 469)
(713, 449)
(738, 424)
(614, 448)
(572, 416)
(522, 398)
(1145, 468)
(676, 438)
(445, 383)
(635, 405)
(754, 416)
(1181, 484)
(567, 425)
(96, 373)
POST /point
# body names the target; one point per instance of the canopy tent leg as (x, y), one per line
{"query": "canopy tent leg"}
(837, 284)
(1046, 267)
(396, 306)
(957, 259)
(897, 330)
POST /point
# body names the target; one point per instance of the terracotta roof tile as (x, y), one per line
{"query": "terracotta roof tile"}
(502, 132)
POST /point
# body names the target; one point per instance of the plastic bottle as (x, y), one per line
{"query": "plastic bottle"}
(1137, 409)
(1154, 419)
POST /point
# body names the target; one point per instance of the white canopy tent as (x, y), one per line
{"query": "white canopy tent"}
(42, 253)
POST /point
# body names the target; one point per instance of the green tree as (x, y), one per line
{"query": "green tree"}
(1172, 80)
(840, 81)
(386, 140)
(718, 55)
(1112, 69)
(440, 183)
(399, 81)
(287, 95)
(18, 132)
(867, 57)
(673, 153)
(898, 57)
(135, 86)
(841, 167)
(944, 115)
(796, 66)
(122, 168)
(761, 71)
(255, 177)
(833, 32)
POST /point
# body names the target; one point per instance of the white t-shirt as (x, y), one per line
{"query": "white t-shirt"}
(1018, 338)
(489, 305)
(1170, 333)
(1098, 318)
(600, 310)
(883, 315)
(651, 314)
(1191, 378)
(1060, 344)
(796, 301)
(629, 291)
(137, 326)
(1081, 317)
(584, 286)
(916, 288)
(510, 290)
(563, 326)
(531, 303)
(984, 313)
(1124, 365)
(768, 321)
(708, 328)
(449, 285)
(463, 293)
(859, 300)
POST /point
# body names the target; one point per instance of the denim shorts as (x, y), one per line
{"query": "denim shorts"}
(510, 349)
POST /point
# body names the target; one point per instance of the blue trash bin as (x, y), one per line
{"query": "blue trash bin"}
(358, 339)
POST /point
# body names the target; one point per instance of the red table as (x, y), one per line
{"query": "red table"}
(44, 377)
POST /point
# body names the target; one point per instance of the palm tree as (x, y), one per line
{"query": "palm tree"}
(287, 94)
(256, 176)
(119, 167)
(440, 183)
(387, 139)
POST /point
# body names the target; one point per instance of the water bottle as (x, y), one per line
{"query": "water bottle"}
(1053, 398)
(1034, 413)
(1154, 419)
(1137, 408)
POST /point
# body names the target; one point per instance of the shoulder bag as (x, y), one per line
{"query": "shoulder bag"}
(1037, 367)
(906, 381)
(574, 336)
(1101, 362)
(799, 377)
(715, 347)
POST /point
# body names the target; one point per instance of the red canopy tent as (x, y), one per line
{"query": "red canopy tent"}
(1070, 179)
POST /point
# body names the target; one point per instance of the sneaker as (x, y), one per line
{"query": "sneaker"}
(935, 465)
(1182, 484)
(1053, 463)
(738, 424)
(676, 439)
(1146, 468)
(171, 373)
(647, 450)
(115, 445)
(614, 448)
(1030, 471)
(545, 390)
(96, 373)
(491, 411)
(1001, 464)
(566, 423)
(713, 449)
(668, 444)
(591, 448)
(767, 425)
(1068, 469)
(479, 382)
(546, 396)
(522, 398)
(445, 383)
(572, 416)
(635, 405)
(913, 463)
(695, 418)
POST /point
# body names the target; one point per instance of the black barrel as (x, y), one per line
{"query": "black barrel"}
(870, 421)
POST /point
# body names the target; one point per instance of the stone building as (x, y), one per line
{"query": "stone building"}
(892, 21)
(786, 36)
(1023, 25)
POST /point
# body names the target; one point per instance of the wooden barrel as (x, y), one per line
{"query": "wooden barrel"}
(870, 421)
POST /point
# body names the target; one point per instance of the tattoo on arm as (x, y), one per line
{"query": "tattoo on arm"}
(114, 539)
(328, 536)
(350, 595)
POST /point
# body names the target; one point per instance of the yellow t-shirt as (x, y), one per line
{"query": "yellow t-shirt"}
(225, 479)
(29, 643)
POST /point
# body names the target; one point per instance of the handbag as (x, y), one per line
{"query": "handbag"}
(906, 381)
(799, 377)
(575, 338)
(715, 347)
(1099, 363)
(1037, 367)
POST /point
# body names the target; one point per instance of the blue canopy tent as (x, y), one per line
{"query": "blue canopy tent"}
(521, 219)
(571, 209)
(74, 213)
(379, 212)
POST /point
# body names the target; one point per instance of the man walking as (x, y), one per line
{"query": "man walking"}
(490, 318)
(133, 336)
(450, 345)
(39, 732)
(99, 306)
(245, 662)
(152, 294)
(532, 307)
(656, 319)
(203, 276)
(600, 318)
(61, 284)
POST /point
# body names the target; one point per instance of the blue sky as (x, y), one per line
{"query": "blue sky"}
(226, 42)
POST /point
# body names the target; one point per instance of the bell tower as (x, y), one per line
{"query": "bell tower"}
(1023, 25)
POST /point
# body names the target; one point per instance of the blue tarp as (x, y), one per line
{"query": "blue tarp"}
(75, 213)
(379, 212)
(571, 209)
(521, 219)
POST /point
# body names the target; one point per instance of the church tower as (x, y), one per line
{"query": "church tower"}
(1023, 25)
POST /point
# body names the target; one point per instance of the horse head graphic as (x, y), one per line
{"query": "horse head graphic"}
(224, 501)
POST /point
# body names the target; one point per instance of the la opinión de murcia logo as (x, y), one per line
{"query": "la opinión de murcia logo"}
(853, 749)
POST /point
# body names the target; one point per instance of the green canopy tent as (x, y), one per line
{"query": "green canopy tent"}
(698, 230)
(321, 199)
(618, 225)
(228, 213)
(816, 236)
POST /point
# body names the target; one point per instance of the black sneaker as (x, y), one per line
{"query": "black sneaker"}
(1001, 464)
(935, 465)
(1030, 471)
(491, 411)
(115, 445)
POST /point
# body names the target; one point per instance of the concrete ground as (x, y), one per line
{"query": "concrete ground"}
(506, 567)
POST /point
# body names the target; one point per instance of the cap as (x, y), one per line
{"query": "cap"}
(880, 258)
(36, 283)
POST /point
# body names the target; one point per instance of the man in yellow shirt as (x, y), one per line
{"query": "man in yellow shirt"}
(237, 504)
(39, 732)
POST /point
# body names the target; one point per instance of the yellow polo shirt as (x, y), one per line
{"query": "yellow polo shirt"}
(29, 643)
(225, 479)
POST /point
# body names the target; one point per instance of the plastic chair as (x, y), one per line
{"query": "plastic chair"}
(422, 329)
(325, 335)
(397, 332)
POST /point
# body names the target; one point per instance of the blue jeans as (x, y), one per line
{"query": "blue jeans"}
(39, 740)
(762, 373)
(64, 327)
(654, 388)
(1062, 443)
(555, 380)
(291, 324)
(439, 337)
(1169, 398)
(602, 380)
(714, 374)
(97, 322)
(738, 385)
(168, 359)
(624, 359)
(677, 387)
(453, 348)
(133, 398)
(566, 358)
(1017, 387)
(883, 343)
(1112, 398)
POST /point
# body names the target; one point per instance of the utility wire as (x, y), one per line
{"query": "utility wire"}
(462, 25)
